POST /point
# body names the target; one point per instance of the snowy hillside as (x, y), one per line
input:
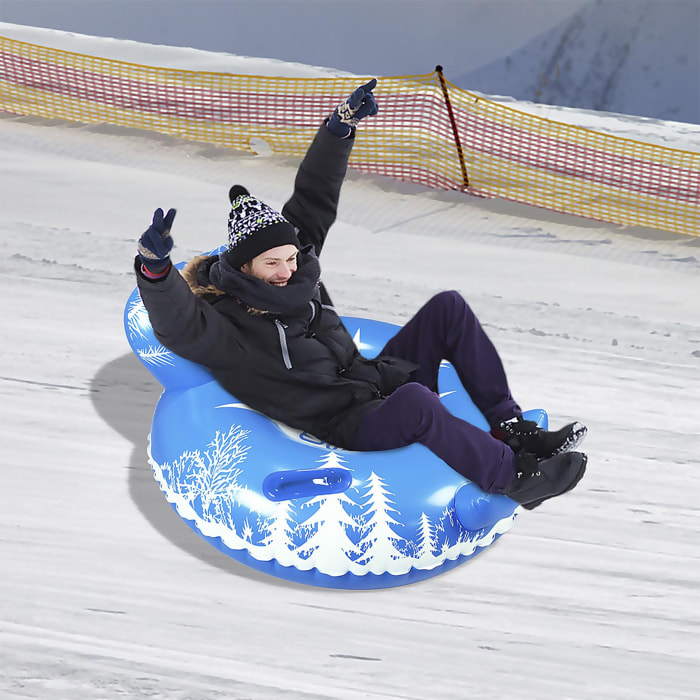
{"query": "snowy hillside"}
(106, 593)
(629, 56)
(382, 37)
(680, 135)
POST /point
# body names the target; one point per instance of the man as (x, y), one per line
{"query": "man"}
(258, 317)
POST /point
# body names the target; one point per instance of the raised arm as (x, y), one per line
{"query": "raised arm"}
(313, 206)
(183, 322)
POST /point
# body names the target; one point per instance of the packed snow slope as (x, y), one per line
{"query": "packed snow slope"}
(106, 593)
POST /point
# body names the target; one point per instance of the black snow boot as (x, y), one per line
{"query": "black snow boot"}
(535, 481)
(524, 435)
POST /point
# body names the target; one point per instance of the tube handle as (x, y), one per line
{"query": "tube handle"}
(287, 484)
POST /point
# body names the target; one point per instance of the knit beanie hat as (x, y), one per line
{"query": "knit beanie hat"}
(253, 228)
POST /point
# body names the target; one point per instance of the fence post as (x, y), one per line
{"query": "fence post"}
(458, 143)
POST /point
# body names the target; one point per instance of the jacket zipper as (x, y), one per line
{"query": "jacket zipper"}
(283, 344)
(283, 336)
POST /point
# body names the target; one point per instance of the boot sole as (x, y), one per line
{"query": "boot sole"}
(572, 485)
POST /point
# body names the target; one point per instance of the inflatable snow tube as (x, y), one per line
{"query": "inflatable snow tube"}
(287, 504)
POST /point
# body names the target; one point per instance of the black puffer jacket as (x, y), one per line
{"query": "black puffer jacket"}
(281, 350)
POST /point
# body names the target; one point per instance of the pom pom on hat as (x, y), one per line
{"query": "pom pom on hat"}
(254, 227)
(236, 191)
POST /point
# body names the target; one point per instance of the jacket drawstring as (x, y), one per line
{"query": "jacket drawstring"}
(313, 322)
(283, 344)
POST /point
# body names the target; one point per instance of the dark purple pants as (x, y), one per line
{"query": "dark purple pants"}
(446, 329)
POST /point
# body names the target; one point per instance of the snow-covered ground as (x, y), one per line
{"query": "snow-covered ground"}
(106, 593)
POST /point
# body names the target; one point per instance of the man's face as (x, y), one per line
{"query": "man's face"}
(274, 266)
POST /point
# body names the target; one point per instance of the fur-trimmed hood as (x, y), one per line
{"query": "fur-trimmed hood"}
(211, 276)
(194, 281)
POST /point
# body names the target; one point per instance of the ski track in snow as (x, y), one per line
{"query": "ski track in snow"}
(106, 593)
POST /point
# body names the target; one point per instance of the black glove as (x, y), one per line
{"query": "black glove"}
(156, 243)
(359, 105)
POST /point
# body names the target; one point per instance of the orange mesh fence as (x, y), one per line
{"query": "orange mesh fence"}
(470, 143)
